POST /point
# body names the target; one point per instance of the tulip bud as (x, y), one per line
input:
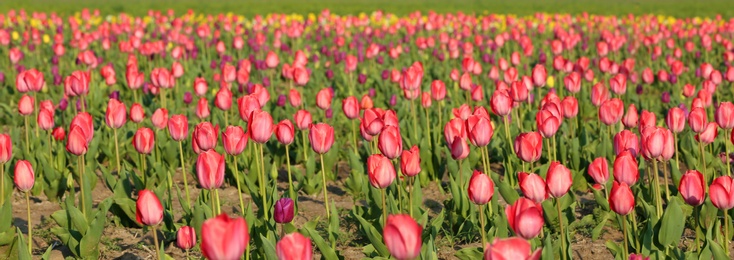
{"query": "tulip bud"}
(24, 177)
(210, 169)
(692, 188)
(621, 199)
(294, 246)
(525, 217)
(186, 238)
(481, 188)
(321, 136)
(149, 210)
(144, 140)
(402, 236)
(224, 238)
(532, 186)
(558, 179)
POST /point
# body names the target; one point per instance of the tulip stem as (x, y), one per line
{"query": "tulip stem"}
(703, 162)
(410, 196)
(236, 173)
(665, 177)
(262, 184)
(2, 184)
(428, 129)
(656, 188)
(326, 195)
(481, 220)
(675, 142)
(305, 147)
(384, 208)
(117, 150)
(155, 240)
(726, 231)
(184, 173)
(726, 147)
(461, 176)
(697, 212)
(485, 160)
(27, 140)
(555, 150)
(563, 234)
(399, 187)
(415, 120)
(30, 226)
(219, 203)
(624, 232)
(288, 165)
(512, 149)
(80, 161)
(354, 138)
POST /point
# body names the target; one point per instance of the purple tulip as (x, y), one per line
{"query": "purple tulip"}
(329, 113)
(266, 82)
(115, 95)
(188, 97)
(63, 104)
(380, 60)
(371, 92)
(385, 74)
(58, 79)
(393, 100)
(283, 210)
(281, 100)
(639, 89)
(329, 74)
(362, 78)
(665, 97)
(2, 77)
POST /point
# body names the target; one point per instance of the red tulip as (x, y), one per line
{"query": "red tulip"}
(459, 148)
(6, 148)
(692, 187)
(160, 118)
(532, 186)
(621, 199)
(570, 107)
(518, 91)
(229, 73)
(438, 90)
(261, 93)
(599, 170)
(284, 132)
(411, 78)
(547, 123)
(630, 119)
(300, 76)
(47, 105)
(162, 78)
(261, 126)
(390, 142)
(626, 141)
(725, 115)
(25, 105)
(45, 119)
(323, 98)
(709, 134)
(294, 97)
(625, 169)
(380, 171)
(463, 111)
(426, 100)
(514, 248)
(205, 136)
(29, 80)
(479, 129)
(223, 99)
(77, 84)
(137, 114)
(302, 119)
(294, 246)
(539, 75)
(24, 176)
(477, 93)
(186, 237)
(647, 119)
(178, 127)
(697, 119)
(210, 169)
(148, 209)
(246, 105)
(77, 142)
(501, 103)
(58, 133)
(558, 179)
(525, 218)
(573, 82)
(116, 114)
(234, 140)
(321, 136)
(402, 236)
(618, 83)
(350, 106)
(410, 162)
(84, 121)
(465, 81)
(144, 140)
(224, 238)
(611, 111)
(200, 86)
(599, 94)
(529, 146)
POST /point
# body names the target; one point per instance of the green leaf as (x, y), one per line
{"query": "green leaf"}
(23, 253)
(469, 253)
(673, 223)
(268, 248)
(508, 193)
(373, 235)
(327, 252)
(596, 232)
(717, 250)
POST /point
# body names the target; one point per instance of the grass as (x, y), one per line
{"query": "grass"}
(678, 8)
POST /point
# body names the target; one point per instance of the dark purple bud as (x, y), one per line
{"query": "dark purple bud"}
(283, 210)
(241, 88)
(55, 60)
(639, 89)
(249, 87)
(380, 60)
(393, 100)
(31, 47)
(281, 100)
(100, 60)
(19, 68)
(665, 97)
(188, 98)
(329, 74)
(485, 57)
(698, 72)
(213, 64)
(79, 104)
(314, 58)
(371, 92)
(2, 77)
(266, 82)
(146, 88)
(55, 69)
(60, 29)
(362, 78)
(63, 104)
(672, 78)
(329, 113)
(385, 74)
(698, 54)
(58, 79)
(542, 58)
(115, 95)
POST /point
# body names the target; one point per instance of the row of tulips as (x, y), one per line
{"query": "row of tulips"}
(378, 66)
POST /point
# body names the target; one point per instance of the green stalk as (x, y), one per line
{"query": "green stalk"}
(155, 239)
(384, 209)
(117, 150)
(30, 226)
(415, 120)
(326, 195)
(481, 220)
(236, 174)
(184, 173)
(354, 138)
(703, 162)
(563, 234)
(80, 161)
(262, 184)
(27, 140)
(656, 189)
(288, 164)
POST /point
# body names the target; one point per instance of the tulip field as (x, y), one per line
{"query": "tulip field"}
(182, 135)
